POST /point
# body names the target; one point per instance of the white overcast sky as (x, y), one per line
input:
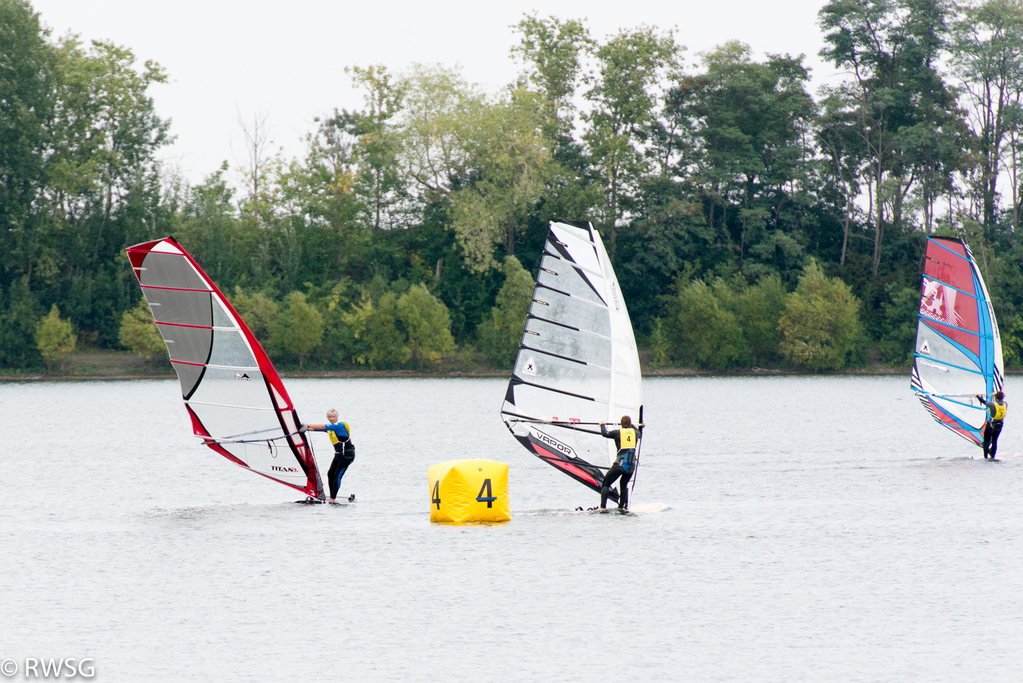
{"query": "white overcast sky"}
(286, 58)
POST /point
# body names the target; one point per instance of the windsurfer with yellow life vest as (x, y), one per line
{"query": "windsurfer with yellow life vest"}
(344, 451)
(993, 426)
(626, 439)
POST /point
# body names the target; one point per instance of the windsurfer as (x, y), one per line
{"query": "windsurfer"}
(993, 425)
(625, 440)
(344, 450)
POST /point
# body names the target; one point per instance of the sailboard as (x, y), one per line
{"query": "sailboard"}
(958, 351)
(577, 364)
(234, 397)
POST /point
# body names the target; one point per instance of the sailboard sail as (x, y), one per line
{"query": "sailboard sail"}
(958, 351)
(577, 364)
(236, 400)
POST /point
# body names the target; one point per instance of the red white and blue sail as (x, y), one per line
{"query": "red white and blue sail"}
(958, 351)
(577, 364)
(235, 398)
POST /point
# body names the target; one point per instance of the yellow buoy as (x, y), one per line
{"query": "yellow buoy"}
(463, 491)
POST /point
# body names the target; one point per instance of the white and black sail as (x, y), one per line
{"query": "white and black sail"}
(577, 364)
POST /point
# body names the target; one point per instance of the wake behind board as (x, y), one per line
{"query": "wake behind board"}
(649, 507)
(634, 509)
(319, 501)
(1001, 457)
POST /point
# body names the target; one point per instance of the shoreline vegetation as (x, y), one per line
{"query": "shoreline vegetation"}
(101, 365)
(752, 222)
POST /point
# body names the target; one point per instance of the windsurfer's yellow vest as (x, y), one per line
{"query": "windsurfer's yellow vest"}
(333, 436)
(1000, 409)
(627, 437)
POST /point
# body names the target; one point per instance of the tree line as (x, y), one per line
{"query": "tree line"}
(751, 222)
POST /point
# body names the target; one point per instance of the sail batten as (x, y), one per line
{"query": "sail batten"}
(577, 362)
(228, 384)
(958, 350)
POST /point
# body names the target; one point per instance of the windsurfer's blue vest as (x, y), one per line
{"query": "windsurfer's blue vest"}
(627, 448)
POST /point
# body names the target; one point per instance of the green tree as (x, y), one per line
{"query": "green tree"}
(501, 333)
(987, 58)
(19, 315)
(427, 324)
(299, 327)
(139, 333)
(1012, 342)
(487, 161)
(820, 325)
(759, 309)
(376, 327)
(26, 102)
(700, 330)
(624, 99)
(751, 124)
(553, 49)
(54, 338)
(259, 313)
(899, 324)
(511, 164)
(212, 231)
(895, 100)
(377, 150)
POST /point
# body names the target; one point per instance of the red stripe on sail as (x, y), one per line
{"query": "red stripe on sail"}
(556, 460)
(175, 289)
(953, 424)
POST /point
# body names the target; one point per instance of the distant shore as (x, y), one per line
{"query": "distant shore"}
(120, 365)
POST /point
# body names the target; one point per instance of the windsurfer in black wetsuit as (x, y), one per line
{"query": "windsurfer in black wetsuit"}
(344, 451)
(626, 440)
(993, 426)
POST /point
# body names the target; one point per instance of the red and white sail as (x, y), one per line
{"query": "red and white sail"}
(958, 349)
(233, 394)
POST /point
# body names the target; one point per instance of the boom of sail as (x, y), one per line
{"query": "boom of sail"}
(235, 398)
(577, 364)
(958, 351)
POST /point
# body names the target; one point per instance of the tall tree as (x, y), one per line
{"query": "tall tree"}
(26, 100)
(987, 58)
(750, 122)
(891, 49)
(377, 148)
(553, 50)
(487, 159)
(624, 97)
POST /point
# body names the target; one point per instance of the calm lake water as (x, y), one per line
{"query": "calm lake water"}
(821, 529)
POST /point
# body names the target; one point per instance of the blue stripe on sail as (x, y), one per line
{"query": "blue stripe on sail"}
(987, 346)
(945, 284)
(931, 396)
(941, 362)
(931, 322)
(970, 355)
(962, 425)
(951, 251)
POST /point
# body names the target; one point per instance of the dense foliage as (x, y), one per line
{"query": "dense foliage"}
(751, 223)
